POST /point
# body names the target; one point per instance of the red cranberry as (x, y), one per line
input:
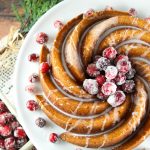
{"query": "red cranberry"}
(3, 107)
(31, 89)
(111, 72)
(14, 124)
(44, 67)
(58, 24)
(92, 71)
(10, 143)
(90, 12)
(2, 144)
(91, 86)
(9, 117)
(20, 142)
(131, 73)
(132, 12)
(53, 137)
(40, 122)
(116, 99)
(100, 80)
(121, 57)
(19, 133)
(110, 53)
(2, 120)
(101, 96)
(124, 66)
(42, 38)
(102, 63)
(33, 57)
(32, 105)
(34, 78)
(128, 86)
(5, 131)
(120, 79)
(109, 88)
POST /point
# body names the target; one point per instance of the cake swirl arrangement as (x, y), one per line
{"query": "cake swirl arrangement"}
(95, 80)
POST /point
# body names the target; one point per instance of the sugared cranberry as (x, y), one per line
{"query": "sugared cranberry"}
(14, 125)
(120, 78)
(92, 71)
(108, 8)
(128, 86)
(33, 57)
(101, 96)
(131, 73)
(41, 38)
(116, 99)
(2, 120)
(10, 143)
(132, 12)
(120, 57)
(53, 137)
(31, 89)
(110, 53)
(108, 88)
(3, 107)
(20, 142)
(124, 66)
(100, 80)
(5, 131)
(19, 133)
(40, 122)
(102, 63)
(58, 24)
(9, 117)
(111, 72)
(32, 105)
(2, 144)
(91, 86)
(34, 78)
(89, 13)
(44, 67)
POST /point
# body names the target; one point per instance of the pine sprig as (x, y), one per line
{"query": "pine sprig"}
(32, 10)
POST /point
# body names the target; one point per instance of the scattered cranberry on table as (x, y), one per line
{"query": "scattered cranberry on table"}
(31, 89)
(53, 137)
(33, 57)
(41, 38)
(40, 122)
(58, 24)
(32, 105)
(34, 78)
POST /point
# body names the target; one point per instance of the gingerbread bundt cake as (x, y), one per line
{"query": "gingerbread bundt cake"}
(100, 101)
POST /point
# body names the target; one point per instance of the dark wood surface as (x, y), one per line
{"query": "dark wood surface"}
(7, 17)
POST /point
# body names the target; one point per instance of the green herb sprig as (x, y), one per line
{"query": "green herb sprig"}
(32, 10)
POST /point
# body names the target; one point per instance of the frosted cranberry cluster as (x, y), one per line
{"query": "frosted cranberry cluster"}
(12, 135)
(110, 77)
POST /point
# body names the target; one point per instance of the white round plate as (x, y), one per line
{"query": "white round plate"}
(63, 11)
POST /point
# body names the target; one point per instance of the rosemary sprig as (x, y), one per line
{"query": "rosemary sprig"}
(32, 10)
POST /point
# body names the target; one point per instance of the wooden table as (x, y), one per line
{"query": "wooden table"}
(7, 18)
